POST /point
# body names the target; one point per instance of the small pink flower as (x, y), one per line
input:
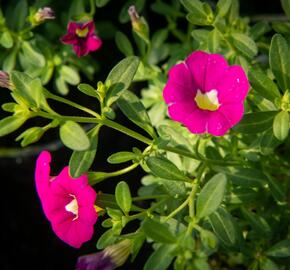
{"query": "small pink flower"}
(83, 38)
(68, 203)
(205, 94)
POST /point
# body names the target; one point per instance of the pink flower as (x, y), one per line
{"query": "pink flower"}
(83, 38)
(205, 94)
(68, 203)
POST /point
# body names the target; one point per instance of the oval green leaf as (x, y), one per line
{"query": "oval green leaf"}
(123, 197)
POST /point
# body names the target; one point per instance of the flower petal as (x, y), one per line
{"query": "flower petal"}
(81, 49)
(215, 69)
(42, 173)
(177, 93)
(197, 64)
(88, 214)
(72, 27)
(69, 39)
(233, 112)
(196, 122)
(90, 25)
(218, 124)
(181, 110)
(234, 86)
(94, 43)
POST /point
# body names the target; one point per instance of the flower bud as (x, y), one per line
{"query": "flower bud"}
(5, 81)
(43, 14)
(110, 258)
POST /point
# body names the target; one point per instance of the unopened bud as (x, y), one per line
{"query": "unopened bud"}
(5, 81)
(43, 14)
(133, 13)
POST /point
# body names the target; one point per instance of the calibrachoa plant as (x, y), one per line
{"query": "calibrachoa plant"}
(213, 117)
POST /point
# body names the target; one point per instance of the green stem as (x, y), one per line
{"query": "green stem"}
(123, 171)
(126, 131)
(92, 7)
(71, 103)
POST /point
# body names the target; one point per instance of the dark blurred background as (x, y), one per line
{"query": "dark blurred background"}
(26, 237)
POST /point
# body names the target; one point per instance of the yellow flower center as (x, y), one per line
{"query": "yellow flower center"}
(73, 207)
(82, 32)
(207, 101)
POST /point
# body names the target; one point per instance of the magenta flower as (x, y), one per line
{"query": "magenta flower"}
(83, 38)
(68, 203)
(205, 94)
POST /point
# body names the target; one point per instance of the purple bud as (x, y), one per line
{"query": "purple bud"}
(5, 80)
(133, 13)
(94, 261)
(43, 14)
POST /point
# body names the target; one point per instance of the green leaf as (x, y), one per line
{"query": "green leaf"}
(165, 9)
(81, 161)
(123, 197)
(280, 249)
(259, 29)
(244, 44)
(108, 238)
(88, 90)
(258, 223)
(240, 195)
(256, 122)
(157, 231)
(263, 84)
(286, 7)
(121, 77)
(223, 7)
(101, 3)
(199, 13)
(30, 136)
(16, 19)
(34, 57)
(223, 226)
(133, 108)
(165, 169)
(70, 75)
(276, 189)
(268, 142)
(281, 125)
(211, 196)
(73, 136)
(214, 41)
(123, 44)
(61, 85)
(267, 264)
(10, 61)
(160, 259)
(10, 124)
(121, 157)
(279, 59)
(6, 40)
(245, 177)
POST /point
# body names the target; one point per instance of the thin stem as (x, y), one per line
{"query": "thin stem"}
(92, 7)
(123, 171)
(126, 131)
(150, 197)
(71, 103)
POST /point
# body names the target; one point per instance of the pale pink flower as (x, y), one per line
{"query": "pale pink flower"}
(82, 37)
(205, 94)
(68, 203)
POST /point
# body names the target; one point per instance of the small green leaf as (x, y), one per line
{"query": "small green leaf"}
(268, 142)
(245, 177)
(276, 189)
(81, 161)
(279, 59)
(30, 136)
(6, 40)
(32, 55)
(101, 3)
(88, 90)
(255, 122)
(108, 238)
(280, 249)
(161, 258)
(214, 41)
(211, 196)
(263, 84)
(121, 77)
(133, 108)
(165, 169)
(258, 223)
(223, 7)
(10, 61)
(223, 226)
(10, 124)
(73, 136)
(267, 264)
(70, 75)
(286, 7)
(157, 231)
(244, 44)
(123, 197)
(121, 157)
(123, 44)
(61, 85)
(281, 125)
(259, 29)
